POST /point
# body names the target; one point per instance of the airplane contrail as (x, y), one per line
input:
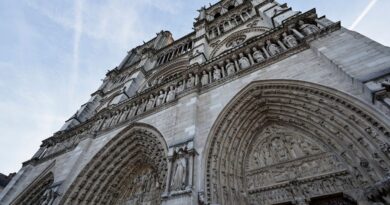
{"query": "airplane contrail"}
(363, 14)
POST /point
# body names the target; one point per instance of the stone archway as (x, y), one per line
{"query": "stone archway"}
(130, 169)
(39, 192)
(282, 141)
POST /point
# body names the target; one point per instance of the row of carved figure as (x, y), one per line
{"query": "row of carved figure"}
(312, 188)
(136, 108)
(227, 68)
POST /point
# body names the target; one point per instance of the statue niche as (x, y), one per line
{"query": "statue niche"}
(179, 175)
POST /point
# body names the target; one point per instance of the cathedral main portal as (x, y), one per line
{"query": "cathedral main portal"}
(283, 142)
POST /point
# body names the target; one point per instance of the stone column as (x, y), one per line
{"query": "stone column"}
(265, 52)
(282, 45)
(223, 71)
(190, 170)
(166, 192)
(250, 58)
(210, 75)
(297, 33)
(236, 64)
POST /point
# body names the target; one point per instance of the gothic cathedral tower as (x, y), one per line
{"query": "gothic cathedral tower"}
(259, 105)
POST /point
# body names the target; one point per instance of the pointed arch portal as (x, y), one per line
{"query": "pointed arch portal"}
(130, 169)
(283, 142)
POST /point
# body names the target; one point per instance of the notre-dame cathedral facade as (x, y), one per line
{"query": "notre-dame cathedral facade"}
(259, 105)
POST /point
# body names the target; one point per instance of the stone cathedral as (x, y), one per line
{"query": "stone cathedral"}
(259, 105)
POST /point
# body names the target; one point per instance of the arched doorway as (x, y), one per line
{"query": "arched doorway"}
(282, 142)
(130, 169)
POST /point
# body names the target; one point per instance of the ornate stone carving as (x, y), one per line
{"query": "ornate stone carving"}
(181, 169)
(243, 61)
(288, 145)
(308, 29)
(160, 98)
(217, 73)
(40, 193)
(130, 169)
(236, 42)
(257, 55)
(230, 67)
(272, 49)
(190, 80)
(151, 102)
(289, 40)
(205, 78)
(171, 94)
(180, 87)
(179, 175)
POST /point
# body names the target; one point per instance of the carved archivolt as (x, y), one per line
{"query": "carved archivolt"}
(282, 141)
(38, 193)
(130, 169)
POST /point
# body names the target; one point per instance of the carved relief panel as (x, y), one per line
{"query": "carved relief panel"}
(143, 187)
(286, 164)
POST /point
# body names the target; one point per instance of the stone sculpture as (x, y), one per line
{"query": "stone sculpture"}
(243, 61)
(308, 29)
(272, 49)
(160, 98)
(205, 78)
(257, 55)
(179, 175)
(230, 67)
(289, 40)
(217, 73)
(171, 94)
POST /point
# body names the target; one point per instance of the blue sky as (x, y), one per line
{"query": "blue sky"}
(54, 53)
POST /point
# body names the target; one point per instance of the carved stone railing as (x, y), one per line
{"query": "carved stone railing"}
(255, 54)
